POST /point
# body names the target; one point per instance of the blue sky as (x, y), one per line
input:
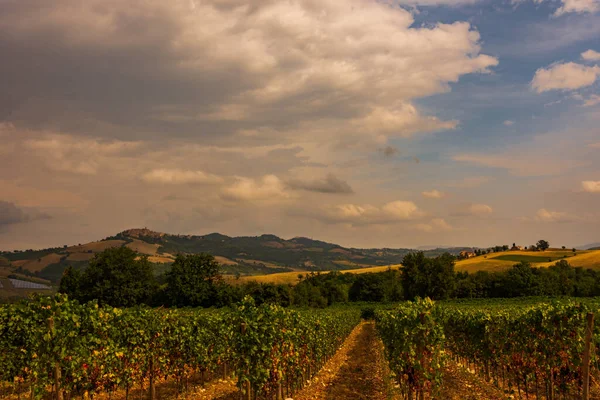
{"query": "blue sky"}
(366, 123)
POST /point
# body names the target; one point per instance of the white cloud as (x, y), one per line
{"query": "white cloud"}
(435, 225)
(268, 188)
(338, 68)
(433, 194)
(391, 212)
(401, 210)
(544, 215)
(179, 176)
(591, 55)
(591, 186)
(509, 122)
(74, 154)
(451, 3)
(480, 209)
(578, 6)
(592, 101)
(564, 76)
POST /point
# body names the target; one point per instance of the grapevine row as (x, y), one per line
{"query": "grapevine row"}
(524, 350)
(60, 346)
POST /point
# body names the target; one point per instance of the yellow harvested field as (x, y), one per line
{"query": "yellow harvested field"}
(286, 278)
(160, 259)
(225, 261)
(96, 247)
(352, 265)
(482, 264)
(586, 259)
(40, 264)
(506, 259)
(491, 262)
(143, 247)
(80, 256)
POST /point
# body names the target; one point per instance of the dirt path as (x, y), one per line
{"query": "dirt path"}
(459, 384)
(355, 372)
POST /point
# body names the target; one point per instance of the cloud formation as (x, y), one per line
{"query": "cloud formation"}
(392, 212)
(277, 68)
(433, 194)
(435, 225)
(472, 210)
(180, 176)
(11, 214)
(329, 184)
(578, 6)
(591, 55)
(268, 188)
(593, 100)
(564, 76)
(591, 186)
(544, 215)
(480, 209)
(67, 153)
(389, 151)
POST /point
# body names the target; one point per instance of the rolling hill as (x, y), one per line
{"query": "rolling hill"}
(265, 255)
(244, 255)
(490, 262)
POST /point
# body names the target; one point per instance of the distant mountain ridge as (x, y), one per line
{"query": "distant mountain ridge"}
(590, 246)
(246, 255)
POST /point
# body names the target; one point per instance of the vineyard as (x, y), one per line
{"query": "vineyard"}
(54, 346)
(540, 350)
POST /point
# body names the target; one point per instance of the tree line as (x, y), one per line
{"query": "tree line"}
(122, 278)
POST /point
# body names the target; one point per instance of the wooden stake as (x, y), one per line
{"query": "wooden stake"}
(152, 386)
(57, 371)
(586, 355)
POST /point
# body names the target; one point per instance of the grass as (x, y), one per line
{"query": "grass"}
(531, 259)
(143, 247)
(286, 278)
(39, 264)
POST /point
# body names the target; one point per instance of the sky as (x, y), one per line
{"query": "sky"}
(367, 123)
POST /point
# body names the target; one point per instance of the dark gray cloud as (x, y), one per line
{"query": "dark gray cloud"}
(10, 214)
(329, 184)
(389, 151)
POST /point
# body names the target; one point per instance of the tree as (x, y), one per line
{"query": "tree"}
(428, 277)
(542, 245)
(118, 276)
(70, 283)
(193, 280)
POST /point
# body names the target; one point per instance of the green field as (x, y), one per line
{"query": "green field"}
(531, 259)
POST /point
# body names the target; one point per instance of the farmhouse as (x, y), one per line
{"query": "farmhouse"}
(467, 254)
(517, 248)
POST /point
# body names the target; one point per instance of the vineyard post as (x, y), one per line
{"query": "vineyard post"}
(586, 355)
(57, 373)
(248, 387)
(279, 391)
(152, 385)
